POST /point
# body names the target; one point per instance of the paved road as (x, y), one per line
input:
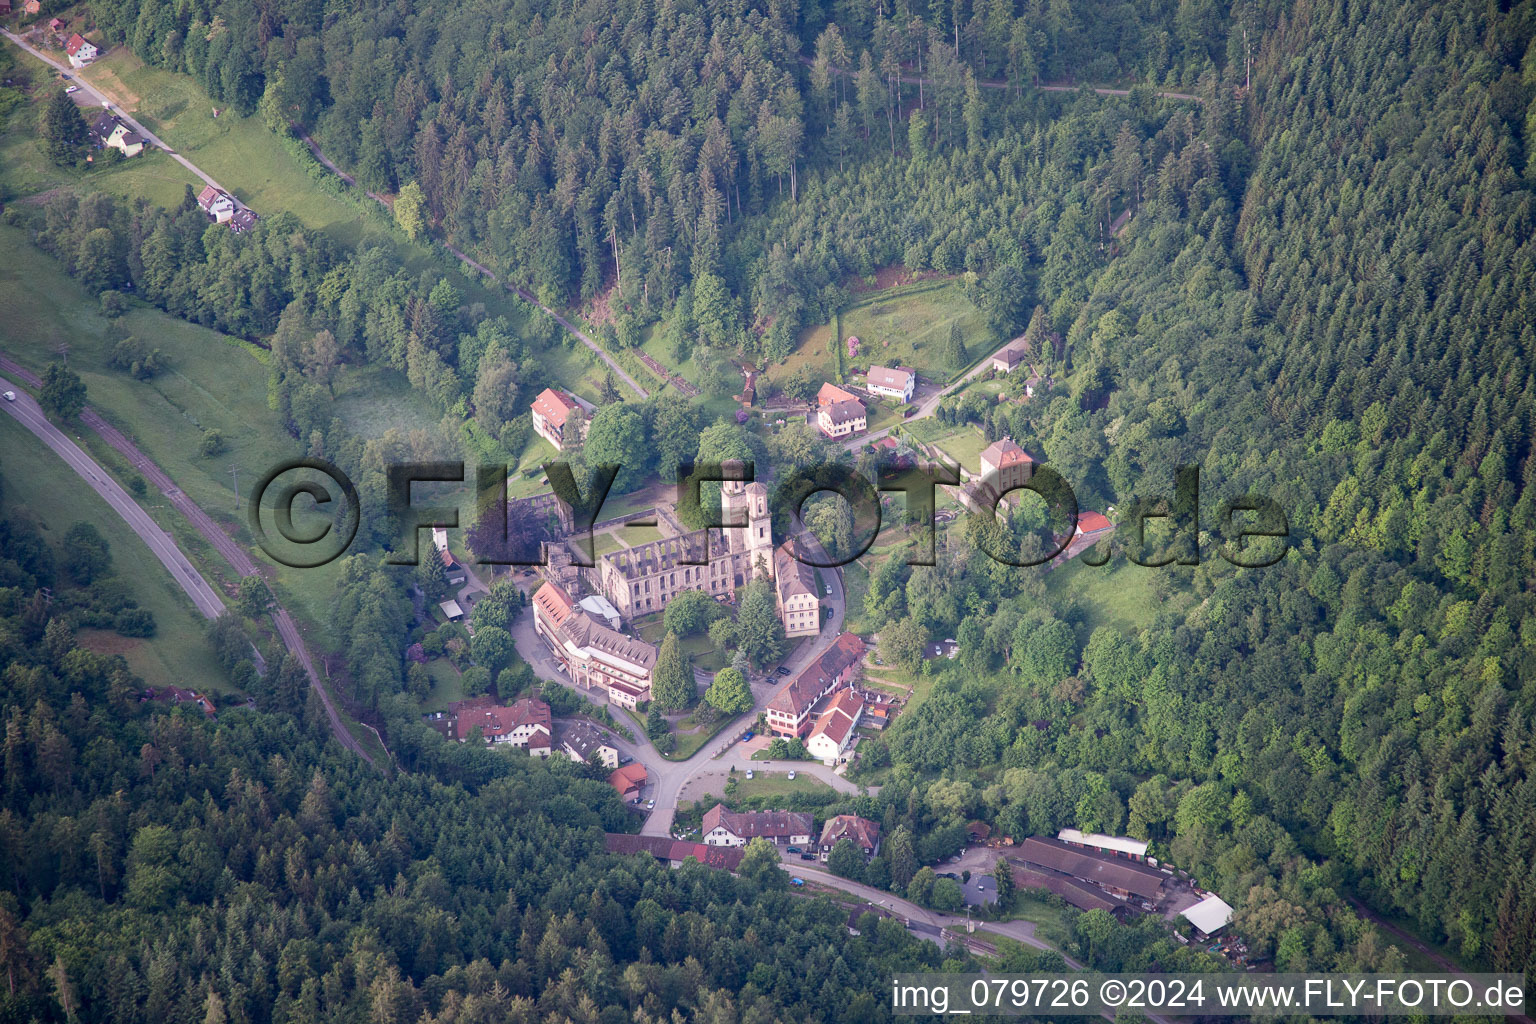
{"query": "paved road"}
(95, 98)
(27, 412)
(222, 543)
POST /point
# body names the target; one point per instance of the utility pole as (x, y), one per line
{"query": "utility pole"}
(235, 472)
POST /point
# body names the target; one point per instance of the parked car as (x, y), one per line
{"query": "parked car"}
(791, 776)
(792, 849)
(71, 90)
(948, 874)
(748, 735)
(749, 773)
(650, 804)
(782, 670)
(797, 881)
(807, 856)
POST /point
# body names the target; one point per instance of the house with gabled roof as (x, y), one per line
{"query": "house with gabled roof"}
(109, 132)
(585, 742)
(725, 827)
(834, 726)
(558, 418)
(79, 51)
(892, 381)
(216, 203)
(794, 582)
(861, 832)
(526, 724)
(789, 710)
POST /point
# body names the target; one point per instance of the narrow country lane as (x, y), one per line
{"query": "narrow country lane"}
(98, 99)
(29, 414)
(241, 562)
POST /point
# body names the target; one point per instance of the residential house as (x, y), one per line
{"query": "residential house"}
(1006, 360)
(1005, 465)
(526, 724)
(585, 742)
(629, 781)
(799, 604)
(863, 833)
(892, 382)
(674, 851)
(725, 827)
(590, 653)
(789, 710)
(80, 52)
(451, 567)
(108, 131)
(842, 419)
(32, 7)
(834, 726)
(54, 24)
(216, 203)
(558, 419)
(243, 220)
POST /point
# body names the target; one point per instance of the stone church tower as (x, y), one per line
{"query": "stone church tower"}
(749, 502)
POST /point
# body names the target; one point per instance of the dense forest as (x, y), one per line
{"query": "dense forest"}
(1323, 295)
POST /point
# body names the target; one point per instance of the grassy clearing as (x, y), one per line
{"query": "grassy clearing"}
(688, 743)
(964, 446)
(1051, 924)
(772, 785)
(237, 151)
(904, 326)
(1118, 595)
(56, 498)
(855, 590)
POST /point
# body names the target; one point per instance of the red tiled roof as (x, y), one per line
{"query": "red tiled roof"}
(554, 406)
(838, 719)
(1005, 453)
(757, 824)
(831, 393)
(801, 692)
(1092, 522)
(500, 721)
(862, 832)
(628, 779)
(554, 602)
(726, 858)
(75, 42)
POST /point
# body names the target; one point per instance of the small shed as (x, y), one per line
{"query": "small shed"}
(452, 610)
(1209, 916)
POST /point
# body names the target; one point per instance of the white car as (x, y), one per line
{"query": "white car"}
(749, 773)
(10, 396)
(71, 90)
(829, 590)
(791, 776)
